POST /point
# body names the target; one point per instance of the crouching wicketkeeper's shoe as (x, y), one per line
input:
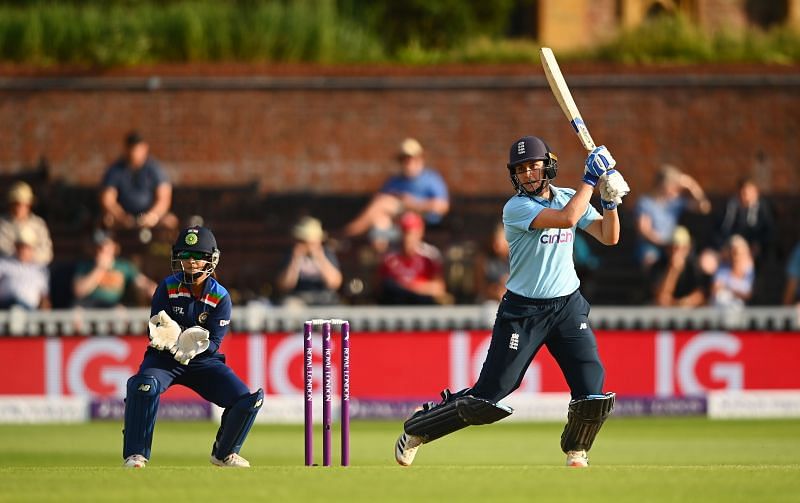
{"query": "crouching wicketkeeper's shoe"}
(231, 460)
(578, 459)
(406, 448)
(135, 461)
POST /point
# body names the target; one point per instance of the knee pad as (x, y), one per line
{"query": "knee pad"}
(453, 413)
(236, 423)
(584, 420)
(141, 407)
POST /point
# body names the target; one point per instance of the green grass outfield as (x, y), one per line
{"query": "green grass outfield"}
(640, 460)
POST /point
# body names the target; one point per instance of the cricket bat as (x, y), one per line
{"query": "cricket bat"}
(560, 90)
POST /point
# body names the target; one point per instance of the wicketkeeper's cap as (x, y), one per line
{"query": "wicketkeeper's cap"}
(527, 148)
(196, 239)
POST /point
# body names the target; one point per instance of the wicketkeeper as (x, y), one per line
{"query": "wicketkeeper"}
(542, 304)
(191, 313)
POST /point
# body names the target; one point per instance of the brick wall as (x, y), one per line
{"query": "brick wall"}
(329, 137)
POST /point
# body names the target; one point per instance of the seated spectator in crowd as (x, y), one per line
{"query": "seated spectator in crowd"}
(658, 213)
(677, 278)
(412, 274)
(732, 285)
(491, 267)
(749, 215)
(23, 281)
(103, 281)
(310, 274)
(136, 192)
(791, 293)
(417, 188)
(20, 216)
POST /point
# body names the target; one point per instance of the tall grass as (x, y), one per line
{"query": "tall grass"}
(122, 33)
(677, 40)
(192, 30)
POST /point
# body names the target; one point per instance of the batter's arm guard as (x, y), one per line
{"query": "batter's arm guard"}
(584, 420)
(453, 413)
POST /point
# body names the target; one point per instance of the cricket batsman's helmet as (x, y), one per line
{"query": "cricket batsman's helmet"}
(531, 148)
(195, 254)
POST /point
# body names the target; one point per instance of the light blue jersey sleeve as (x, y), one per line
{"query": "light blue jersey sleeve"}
(519, 212)
(589, 216)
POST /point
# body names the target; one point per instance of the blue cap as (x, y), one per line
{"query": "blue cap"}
(196, 239)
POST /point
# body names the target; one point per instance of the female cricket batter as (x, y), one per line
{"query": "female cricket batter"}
(542, 304)
(191, 313)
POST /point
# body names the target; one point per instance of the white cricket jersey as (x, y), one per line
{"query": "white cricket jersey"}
(541, 259)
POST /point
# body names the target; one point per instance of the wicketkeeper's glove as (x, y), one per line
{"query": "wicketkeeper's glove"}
(163, 331)
(191, 342)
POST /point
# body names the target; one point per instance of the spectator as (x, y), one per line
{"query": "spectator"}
(750, 216)
(103, 281)
(310, 274)
(413, 274)
(136, 192)
(417, 188)
(23, 281)
(732, 285)
(658, 213)
(492, 268)
(791, 293)
(678, 279)
(20, 216)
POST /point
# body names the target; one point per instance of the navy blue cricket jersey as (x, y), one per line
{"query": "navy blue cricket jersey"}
(211, 311)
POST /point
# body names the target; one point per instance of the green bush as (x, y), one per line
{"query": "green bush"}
(674, 39)
(417, 32)
(129, 33)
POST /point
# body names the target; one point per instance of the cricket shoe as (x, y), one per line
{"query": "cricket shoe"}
(406, 448)
(577, 459)
(232, 460)
(135, 461)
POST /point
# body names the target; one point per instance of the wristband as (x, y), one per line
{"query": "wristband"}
(608, 205)
(590, 179)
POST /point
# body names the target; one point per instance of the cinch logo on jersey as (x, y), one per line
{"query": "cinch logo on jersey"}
(561, 236)
(514, 342)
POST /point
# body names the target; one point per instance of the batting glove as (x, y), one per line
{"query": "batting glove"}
(613, 188)
(597, 163)
(163, 331)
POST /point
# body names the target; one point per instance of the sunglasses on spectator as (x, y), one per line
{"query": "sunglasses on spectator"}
(186, 255)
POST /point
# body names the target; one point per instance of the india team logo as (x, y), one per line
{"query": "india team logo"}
(201, 319)
(191, 239)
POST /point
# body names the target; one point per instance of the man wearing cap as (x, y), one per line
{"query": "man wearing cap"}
(20, 216)
(23, 281)
(416, 188)
(413, 273)
(103, 281)
(136, 192)
(310, 274)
